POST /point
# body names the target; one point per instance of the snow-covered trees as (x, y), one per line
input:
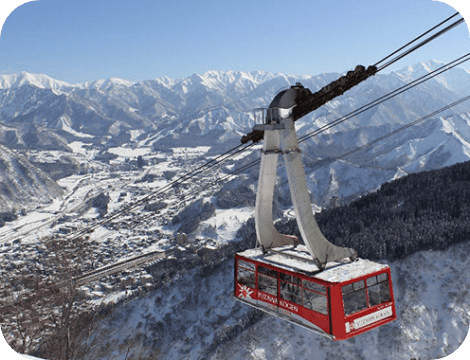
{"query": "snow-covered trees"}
(424, 211)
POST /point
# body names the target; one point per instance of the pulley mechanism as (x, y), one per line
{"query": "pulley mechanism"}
(307, 102)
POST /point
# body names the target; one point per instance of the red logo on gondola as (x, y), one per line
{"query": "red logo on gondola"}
(245, 292)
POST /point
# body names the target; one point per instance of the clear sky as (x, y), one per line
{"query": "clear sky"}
(84, 40)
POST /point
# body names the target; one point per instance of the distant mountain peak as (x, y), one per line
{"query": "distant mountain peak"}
(25, 78)
(106, 84)
(421, 68)
(431, 65)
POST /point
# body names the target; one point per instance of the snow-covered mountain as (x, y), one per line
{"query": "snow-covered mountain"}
(455, 81)
(216, 108)
(430, 145)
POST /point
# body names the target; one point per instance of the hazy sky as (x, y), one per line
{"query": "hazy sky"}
(83, 40)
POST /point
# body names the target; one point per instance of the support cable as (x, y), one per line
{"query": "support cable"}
(415, 39)
(391, 133)
(325, 163)
(422, 43)
(388, 96)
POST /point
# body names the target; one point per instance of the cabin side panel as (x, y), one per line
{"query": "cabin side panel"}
(363, 304)
(291, 295)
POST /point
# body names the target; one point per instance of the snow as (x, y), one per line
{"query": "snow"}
(77, 147)
(25, 78)
(130, 152)
(227, 222)
(399, 174)
(187, 319)
(135, 133)
(69, 129)
(106, 84)
(192, 151)
(30, 357)
(349, 271)
(334, 272)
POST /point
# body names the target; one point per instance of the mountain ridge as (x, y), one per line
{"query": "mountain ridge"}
(216, 108)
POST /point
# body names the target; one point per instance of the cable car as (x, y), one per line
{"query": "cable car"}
(317, 285)
(339, 302)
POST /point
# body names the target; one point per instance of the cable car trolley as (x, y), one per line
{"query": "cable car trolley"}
(317, 285)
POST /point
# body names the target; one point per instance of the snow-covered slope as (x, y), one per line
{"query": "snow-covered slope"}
(455, 80)
(433, 144)
(23, 184)
(196, 317)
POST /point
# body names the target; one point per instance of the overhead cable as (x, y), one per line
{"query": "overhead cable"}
(391, 133)
(420, 44)
(388, 96)
(415, 39)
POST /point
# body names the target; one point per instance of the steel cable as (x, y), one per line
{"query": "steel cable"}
(422, 43)
(415, 39)
(388, 96)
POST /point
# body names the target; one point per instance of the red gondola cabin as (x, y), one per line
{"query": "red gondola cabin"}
(341, 301)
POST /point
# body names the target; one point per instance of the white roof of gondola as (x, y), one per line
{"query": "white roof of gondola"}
(297, 259)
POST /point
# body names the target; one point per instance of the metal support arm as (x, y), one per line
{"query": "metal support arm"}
(285, 141)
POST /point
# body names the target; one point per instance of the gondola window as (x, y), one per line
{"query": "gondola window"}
(314, 297)
(246, 274)
(267, 280)
(290, 289)
(378, 289)
(354, 297)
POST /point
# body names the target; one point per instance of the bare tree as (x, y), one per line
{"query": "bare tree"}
(21, 314)
(47, 313)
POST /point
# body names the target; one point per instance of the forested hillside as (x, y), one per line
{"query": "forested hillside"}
(422, 211)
